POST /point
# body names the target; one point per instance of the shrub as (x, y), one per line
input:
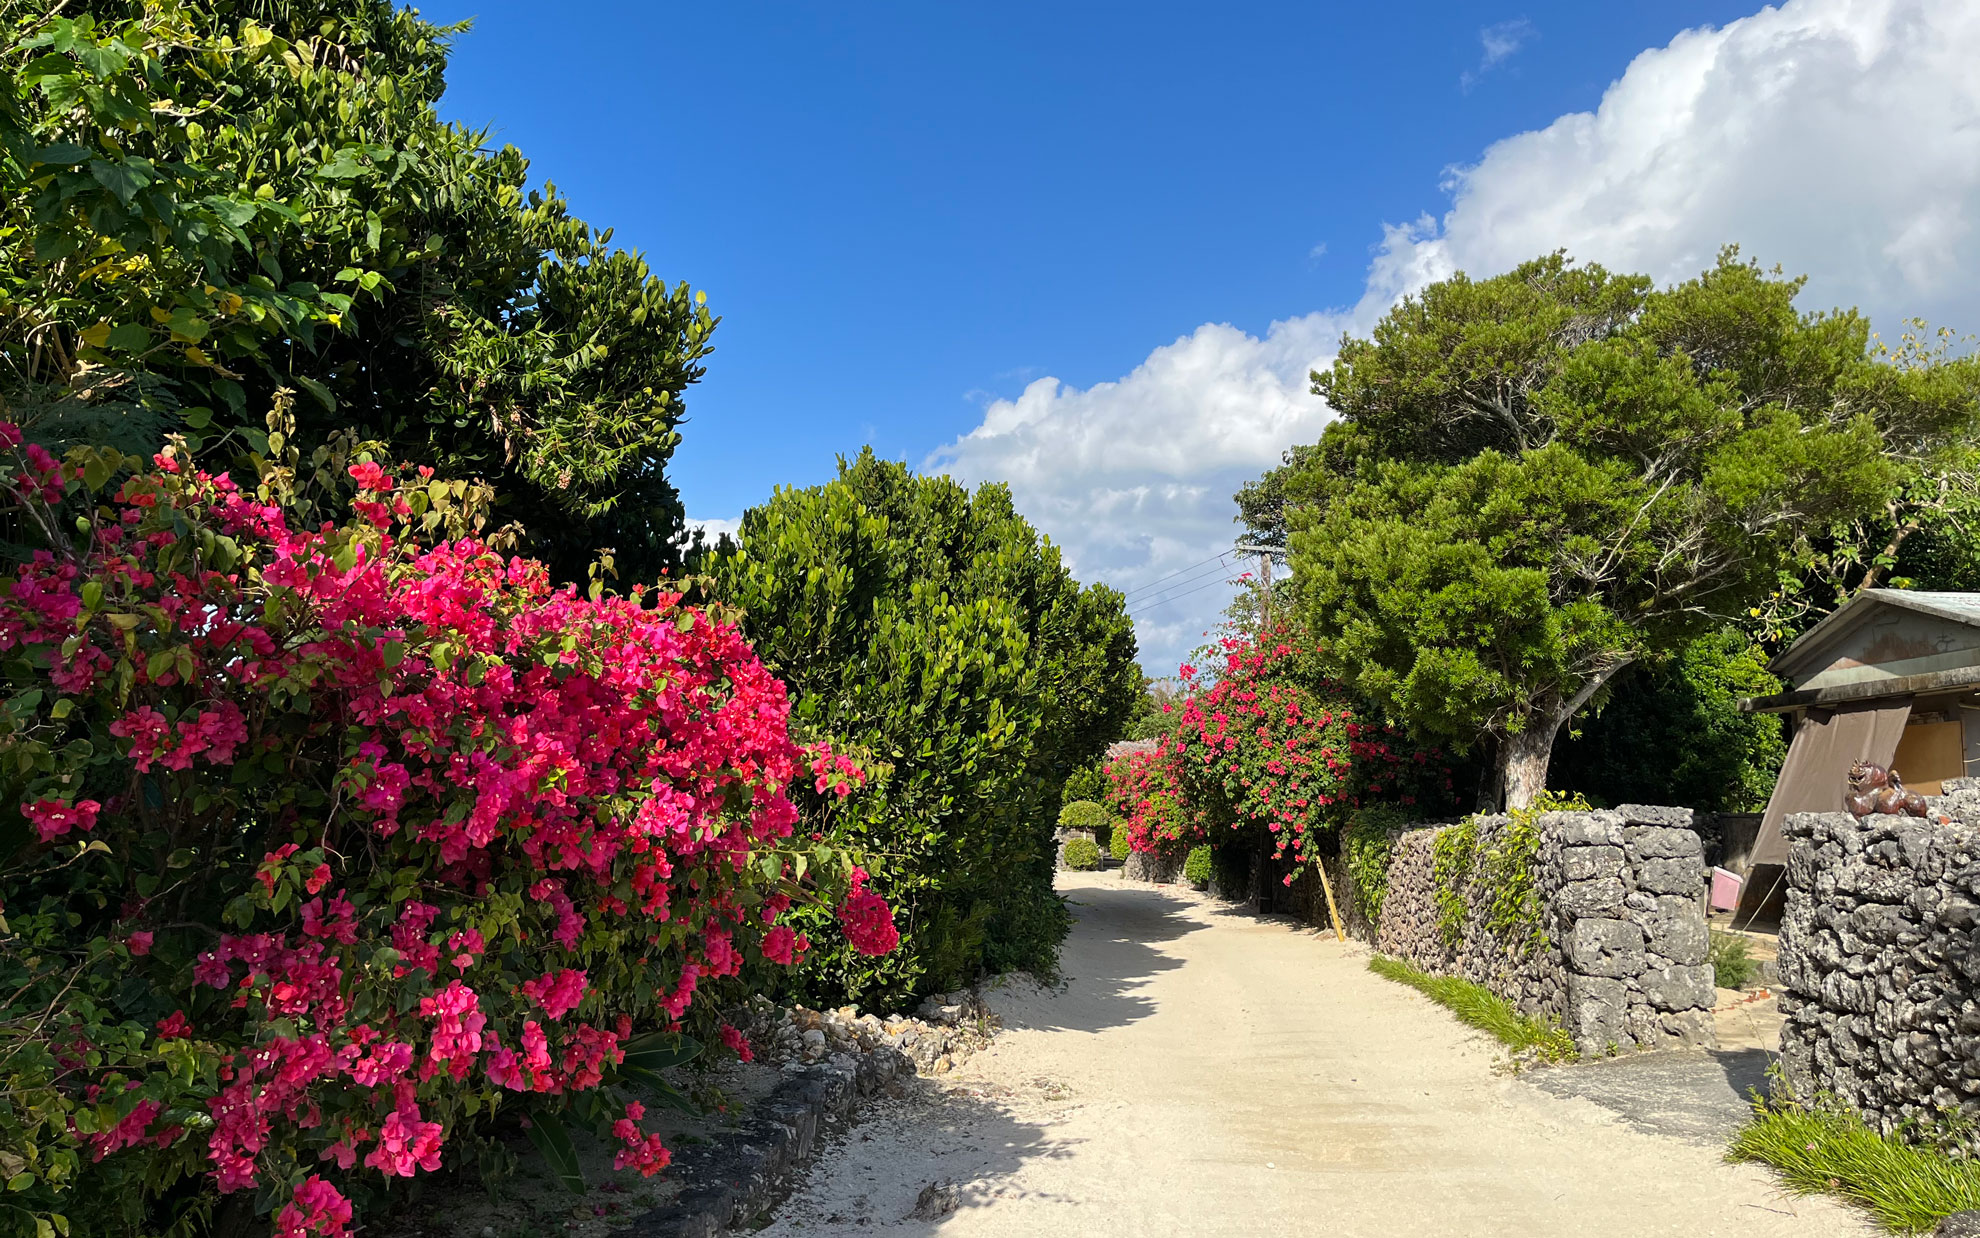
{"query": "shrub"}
(1196, 866)
(1082, 854)
(1483, 1009)
(933, 635)
(1733, 964)
(1117, 842)
(1088, 782)
(1084, 815)
(1819, 1150)
(333, 848)
(1087, 815)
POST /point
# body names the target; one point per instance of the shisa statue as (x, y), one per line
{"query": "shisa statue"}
(1874, 789)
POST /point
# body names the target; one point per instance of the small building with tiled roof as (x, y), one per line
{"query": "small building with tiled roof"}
(1892, 678)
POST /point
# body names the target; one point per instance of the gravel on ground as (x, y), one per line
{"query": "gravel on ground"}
(1206, 1072)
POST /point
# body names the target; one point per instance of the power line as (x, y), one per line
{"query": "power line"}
(1219, 572)
(1175, 598)
(1217, 559)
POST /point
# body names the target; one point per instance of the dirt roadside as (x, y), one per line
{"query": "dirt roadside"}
(1208, 1073)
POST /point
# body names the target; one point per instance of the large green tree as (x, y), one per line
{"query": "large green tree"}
(202, 201)
(1541, 478)
(932, 632)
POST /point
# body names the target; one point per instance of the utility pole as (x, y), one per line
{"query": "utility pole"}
(1266, 554)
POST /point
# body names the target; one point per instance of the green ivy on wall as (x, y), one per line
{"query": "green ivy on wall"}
(1511, 861)
(1367, 845)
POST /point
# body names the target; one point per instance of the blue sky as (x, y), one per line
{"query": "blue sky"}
(907, 214)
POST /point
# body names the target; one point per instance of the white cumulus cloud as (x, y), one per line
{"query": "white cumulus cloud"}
(1134, 478)
(1839, 138)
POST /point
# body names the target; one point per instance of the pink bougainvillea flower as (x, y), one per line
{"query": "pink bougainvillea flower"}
(866, 919)
(53, 818)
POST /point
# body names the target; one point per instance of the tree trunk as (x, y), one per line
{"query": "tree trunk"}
(1524, 759)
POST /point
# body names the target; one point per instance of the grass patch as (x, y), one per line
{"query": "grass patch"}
(1483, 1009)
(1822, 1151)
(1733, 965)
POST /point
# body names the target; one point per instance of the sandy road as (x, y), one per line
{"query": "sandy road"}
(1205, 1072)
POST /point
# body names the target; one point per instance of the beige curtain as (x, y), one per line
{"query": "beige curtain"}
(1815, 776)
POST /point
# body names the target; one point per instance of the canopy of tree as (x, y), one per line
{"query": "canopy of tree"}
(203, 202)
(1541, 478)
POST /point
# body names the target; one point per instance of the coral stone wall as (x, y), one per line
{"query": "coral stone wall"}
(1880, 961)
(1620, 955)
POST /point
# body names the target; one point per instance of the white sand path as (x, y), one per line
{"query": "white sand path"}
(1209, 1073)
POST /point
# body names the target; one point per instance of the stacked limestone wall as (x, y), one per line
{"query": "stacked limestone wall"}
(1622, 948)
(1880, 961)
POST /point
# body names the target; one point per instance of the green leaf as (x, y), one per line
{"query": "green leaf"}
(130, 337)
(658, 1051)
(232, 210)
(343, 165)
(187, 322)
(318, 392)
(61, 154)
(101, 61)
(121, 178)
(547, 1132)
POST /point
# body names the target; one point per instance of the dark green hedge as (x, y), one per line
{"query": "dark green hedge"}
(932, 632)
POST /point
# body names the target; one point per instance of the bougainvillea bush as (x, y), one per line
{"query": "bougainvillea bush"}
(1148, 805)
(338, 847)
(1270, 749)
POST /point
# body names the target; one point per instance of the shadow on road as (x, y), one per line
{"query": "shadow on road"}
(1113, 952)
(912, 1164)
(1701, 1096)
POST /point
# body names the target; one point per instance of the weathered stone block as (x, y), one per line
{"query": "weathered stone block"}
(1873, 883)
(1678, 987)
(1584, 863)
(1675, 928)
(1670, 876)
(1958, 1225)
(1654, 842)
(1654, 814)
(1584, 829)
(1602, 897)
(1876, 922)
(1602, 947)
(1694, 1028)
(1958, 913)
(1596, 1011)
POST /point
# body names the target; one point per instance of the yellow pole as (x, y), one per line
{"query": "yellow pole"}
(1333, 912)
